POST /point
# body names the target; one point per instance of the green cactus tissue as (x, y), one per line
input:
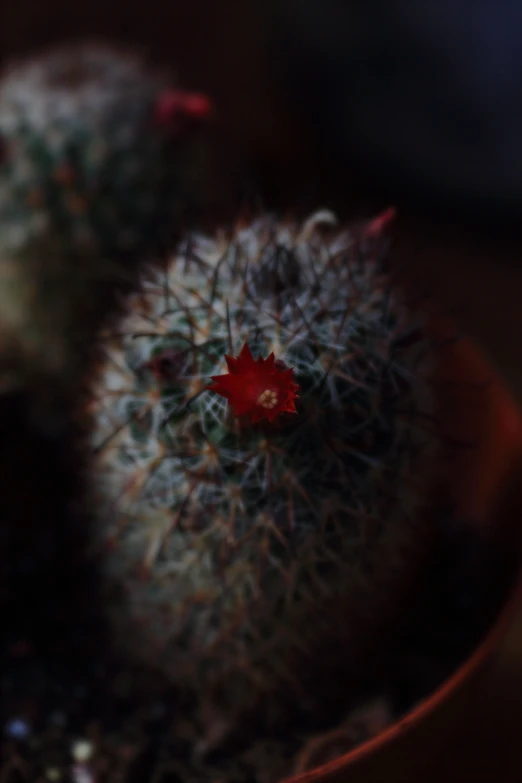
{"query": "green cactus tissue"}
(261, 467)
(91, 151)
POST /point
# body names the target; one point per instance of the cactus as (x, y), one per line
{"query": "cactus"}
(91, 152)
(96, 162)
(260, 519)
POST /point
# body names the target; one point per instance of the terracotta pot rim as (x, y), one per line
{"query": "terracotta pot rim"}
(430, 703)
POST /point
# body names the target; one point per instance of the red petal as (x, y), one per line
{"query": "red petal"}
(245, 358)
(197, 105)
(248, 378)
(174, 104)
(270, 362)
(231, 363)
(376, 226)
(225, 384)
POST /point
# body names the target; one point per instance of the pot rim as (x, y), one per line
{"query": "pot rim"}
(430, 703)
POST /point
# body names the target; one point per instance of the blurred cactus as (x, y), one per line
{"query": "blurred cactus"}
(257, 550)
(92, 152)
(99, 157)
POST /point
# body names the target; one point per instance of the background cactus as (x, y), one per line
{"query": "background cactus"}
(99, 157)
(259, 565)
(91, 152)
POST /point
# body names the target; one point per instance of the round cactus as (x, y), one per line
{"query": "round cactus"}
(261, 467)
(90, 152)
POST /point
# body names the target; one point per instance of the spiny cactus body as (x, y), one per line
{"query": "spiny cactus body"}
(254, 561)
(91, 152)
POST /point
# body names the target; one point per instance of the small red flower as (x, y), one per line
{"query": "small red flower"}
(379, 224)
(175, 105)
(257, 388)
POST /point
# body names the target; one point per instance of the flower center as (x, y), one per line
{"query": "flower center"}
(267, 399)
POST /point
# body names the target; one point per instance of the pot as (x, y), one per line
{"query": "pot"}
(484, 488)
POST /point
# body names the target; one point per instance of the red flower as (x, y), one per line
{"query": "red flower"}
(379, 224)
(257, 388)
(175, 105)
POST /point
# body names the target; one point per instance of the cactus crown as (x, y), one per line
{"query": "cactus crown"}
(241, 544)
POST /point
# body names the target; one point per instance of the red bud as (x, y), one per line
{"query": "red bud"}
(173, 105)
